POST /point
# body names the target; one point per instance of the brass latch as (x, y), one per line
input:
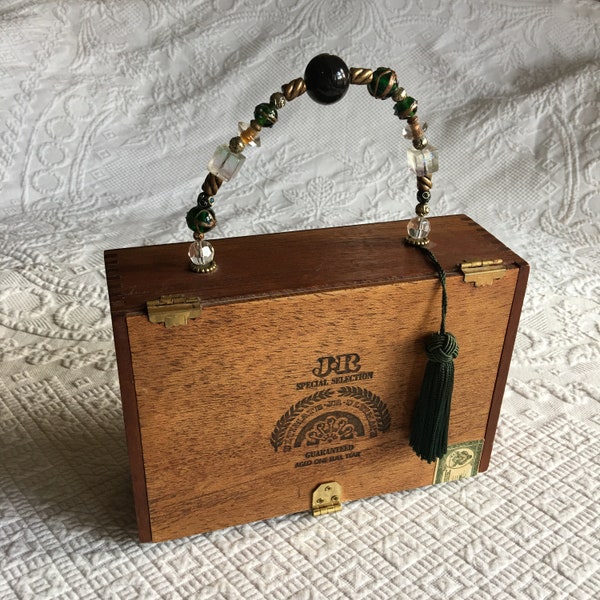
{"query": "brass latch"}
(173, 309)
(483, 272)
(326, 499)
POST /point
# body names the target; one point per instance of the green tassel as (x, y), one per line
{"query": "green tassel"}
(429, 430)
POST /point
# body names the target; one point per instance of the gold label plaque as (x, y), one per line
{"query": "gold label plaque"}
(460, 461)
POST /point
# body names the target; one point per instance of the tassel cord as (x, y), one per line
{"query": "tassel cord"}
(442, 277)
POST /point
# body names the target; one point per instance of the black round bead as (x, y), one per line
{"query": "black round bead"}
(327, 78)
(204, 200)
(423, 196)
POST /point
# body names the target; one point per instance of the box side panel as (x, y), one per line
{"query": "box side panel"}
(504, 366)
(245, 410)
(128, 396)
(132, 428)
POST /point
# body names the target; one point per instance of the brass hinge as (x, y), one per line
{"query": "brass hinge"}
(326, 499)
(483, 272)
(173, 309)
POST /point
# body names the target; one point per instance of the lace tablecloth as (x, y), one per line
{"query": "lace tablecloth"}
(109, 113)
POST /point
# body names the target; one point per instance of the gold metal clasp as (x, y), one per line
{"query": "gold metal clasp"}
(326, 499)
(173, 309)
(483, 272)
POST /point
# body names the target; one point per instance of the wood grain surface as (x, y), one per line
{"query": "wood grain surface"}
(207, 397)
(296, 262)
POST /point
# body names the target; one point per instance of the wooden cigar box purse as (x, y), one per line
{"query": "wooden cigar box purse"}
(257, 381)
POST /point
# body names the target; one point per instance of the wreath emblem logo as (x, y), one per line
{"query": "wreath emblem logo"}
(331, 416)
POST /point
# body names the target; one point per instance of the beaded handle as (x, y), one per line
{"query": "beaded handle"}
(326, 80)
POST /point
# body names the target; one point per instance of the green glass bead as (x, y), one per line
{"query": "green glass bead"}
(404, 109)
(383, 84)
(265, 115)
(201, 220)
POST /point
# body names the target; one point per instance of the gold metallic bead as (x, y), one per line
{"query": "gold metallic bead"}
(360, 76)
(211, 184)
(255, 125)
(293, 89)
(416, 130)
(420, 143)
(423, 183)
(399, 94)
(236, 144)
(198, 236)
(277, 100)
(422, 210)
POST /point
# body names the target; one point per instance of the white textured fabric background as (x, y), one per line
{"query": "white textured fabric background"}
(109, 112)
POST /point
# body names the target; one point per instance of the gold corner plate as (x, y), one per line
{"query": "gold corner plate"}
(460, 461)
(483, 272)
(173, 309)
(326, 499)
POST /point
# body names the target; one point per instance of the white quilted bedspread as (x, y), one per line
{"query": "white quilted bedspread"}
(109, 113)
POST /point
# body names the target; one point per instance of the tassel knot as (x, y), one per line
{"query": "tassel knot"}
(442, 348)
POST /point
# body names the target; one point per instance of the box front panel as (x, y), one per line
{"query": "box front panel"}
(246, 409)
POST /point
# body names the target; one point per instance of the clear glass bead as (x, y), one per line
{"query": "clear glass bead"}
(418, 228)
(201, 253)
(225, 163)
(408, 134)
(250, 141)
(423, 162)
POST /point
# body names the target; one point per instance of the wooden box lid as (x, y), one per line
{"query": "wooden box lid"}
(296, 262)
